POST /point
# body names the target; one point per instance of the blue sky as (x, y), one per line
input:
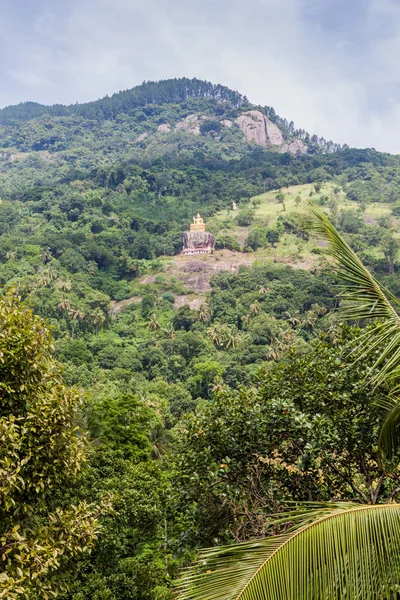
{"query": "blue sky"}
(333, 66)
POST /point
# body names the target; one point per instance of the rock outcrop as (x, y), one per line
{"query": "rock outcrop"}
(191, 124)
(198, 242)
(258, 128)
(295, 147)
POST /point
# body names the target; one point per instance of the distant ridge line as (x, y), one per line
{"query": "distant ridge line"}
(165, 91)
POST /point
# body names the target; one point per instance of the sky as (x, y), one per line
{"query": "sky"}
(331, 66)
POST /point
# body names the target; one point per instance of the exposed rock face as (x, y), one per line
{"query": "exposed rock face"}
(255, 126)
(164, 128)
(190, 124)
(259, 128)
(274, 134)
(295, 147)
(198, 242)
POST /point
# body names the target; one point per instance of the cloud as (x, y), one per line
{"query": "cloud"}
(330, 65)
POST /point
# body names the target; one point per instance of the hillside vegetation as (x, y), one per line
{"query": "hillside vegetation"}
(202, 376)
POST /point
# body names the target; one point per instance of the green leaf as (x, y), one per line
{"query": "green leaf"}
(350, 552)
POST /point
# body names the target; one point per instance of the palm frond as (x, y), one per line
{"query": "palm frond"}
(364, 298)
(348, 553)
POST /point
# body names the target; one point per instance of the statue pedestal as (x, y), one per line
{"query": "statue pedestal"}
(198, 242)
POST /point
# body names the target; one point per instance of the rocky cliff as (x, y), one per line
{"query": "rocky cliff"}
(256, 127)
(198, 240)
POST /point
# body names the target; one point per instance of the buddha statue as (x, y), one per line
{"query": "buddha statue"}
(198, 224)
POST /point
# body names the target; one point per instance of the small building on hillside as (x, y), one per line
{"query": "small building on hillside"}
(198, 240)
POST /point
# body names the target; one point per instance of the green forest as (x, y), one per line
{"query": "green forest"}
(155, 405)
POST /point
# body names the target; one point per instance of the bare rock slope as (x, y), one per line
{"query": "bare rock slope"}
(259, 128)
(256, 127)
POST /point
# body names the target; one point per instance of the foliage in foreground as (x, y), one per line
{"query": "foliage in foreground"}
(349, 552)
(40, 455)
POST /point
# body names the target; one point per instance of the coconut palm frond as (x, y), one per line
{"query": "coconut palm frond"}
(365, 298)
(349, 552)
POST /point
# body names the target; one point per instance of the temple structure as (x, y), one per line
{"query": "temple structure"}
(198, 240)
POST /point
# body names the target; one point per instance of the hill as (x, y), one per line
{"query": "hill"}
(176, 104)
(102, 193)
(94, 201)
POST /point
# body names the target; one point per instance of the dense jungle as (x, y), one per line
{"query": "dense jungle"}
(194, 396)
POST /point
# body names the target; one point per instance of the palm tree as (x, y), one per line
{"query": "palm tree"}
(204, 313)
(77, 315)
(97, 318)
(246, 319)
(231, 337)
(153, 324)
(46, 255)
(293, 318)
(309, 320)
(217, 386)
(160, 439)
(47, 275)
(255, 308)
(64, 304)
(340, 550)
(216, 333)
(63, 285)
(11, 255)
(272, 353)
(263, 290)
(51, 273)
(170, 331)
(44, 280)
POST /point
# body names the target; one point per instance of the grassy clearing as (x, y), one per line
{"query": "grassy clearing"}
(268, 208)
(291, 249)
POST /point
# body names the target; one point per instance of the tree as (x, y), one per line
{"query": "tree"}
(255, 308)
(245, 217)
(169, 331)
(64, 304)
(204, 313)
(97, 318)
(41, 454)
(77, 315)
(153, 324)
(256, 239)
(272, 236)
(390, 249)
(63, 284)
(209, 125)
(132, 558)
(216, 333)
